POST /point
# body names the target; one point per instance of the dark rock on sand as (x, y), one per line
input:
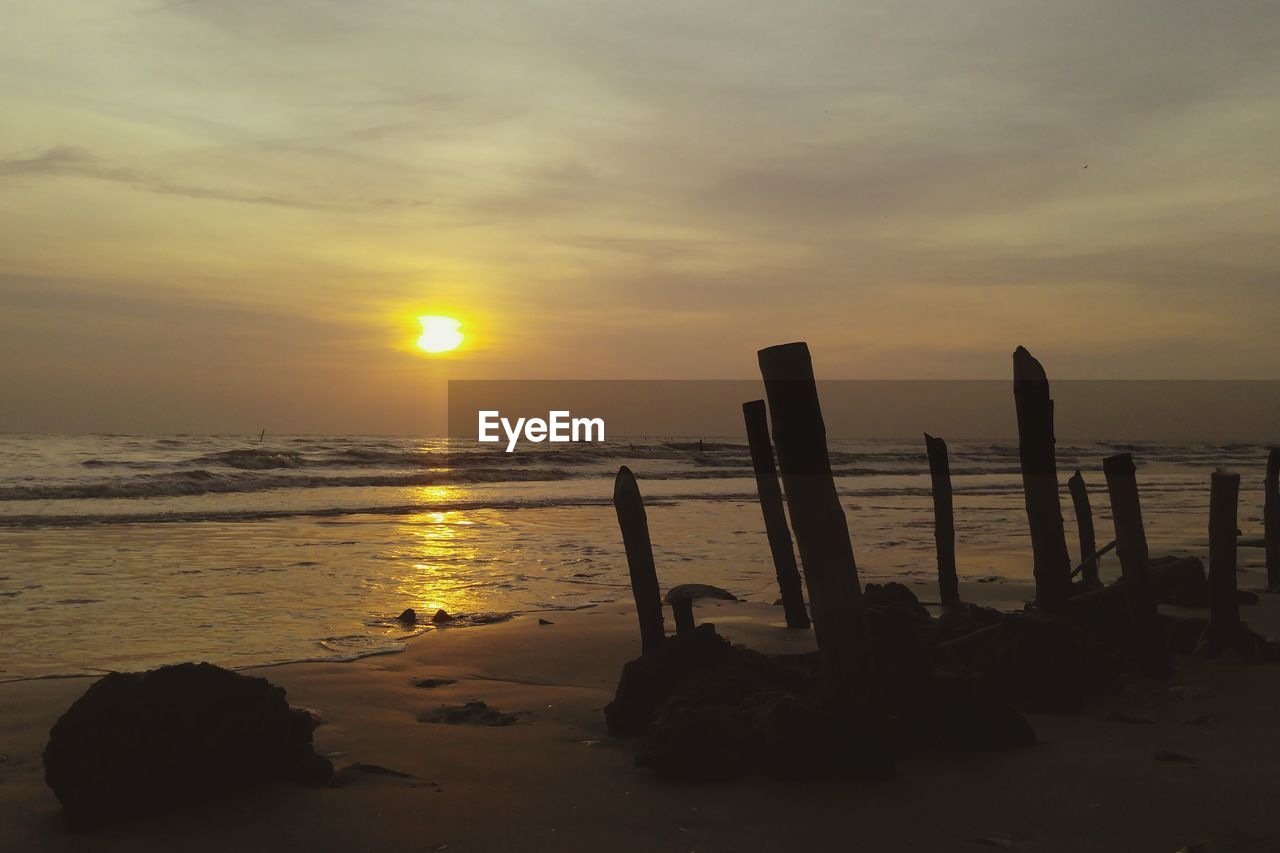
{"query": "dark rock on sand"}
(545, 622)
(409, 617)
(432, 683)
(472, 713)
(441, 616)
(140, 742)
(694, 591)
(351, 772)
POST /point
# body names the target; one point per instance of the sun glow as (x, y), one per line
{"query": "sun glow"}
(439, 334)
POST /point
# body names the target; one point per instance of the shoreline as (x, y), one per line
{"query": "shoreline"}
(555, 779)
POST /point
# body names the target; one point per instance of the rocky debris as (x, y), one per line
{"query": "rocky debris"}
(472, 713)
(433, 683)
(545, 622)
(694, 591)
(708, 709)
(408, 616)
(441, 616)
(141, 742)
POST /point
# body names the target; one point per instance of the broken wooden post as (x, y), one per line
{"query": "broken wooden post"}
(1224, 606)
(1052, 563)
(682, 609)
(629, 506)
(1271, 518)
(1131, 548)
(775, 517)
(944, 519)
(1084, 525)
(822, 533)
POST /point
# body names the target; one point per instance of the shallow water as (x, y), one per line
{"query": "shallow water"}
(122, 552)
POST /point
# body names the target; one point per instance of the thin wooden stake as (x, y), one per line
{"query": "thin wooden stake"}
(634, 523)
(1084, 524)
(1131, 548)
(1271, 518)
(944, 519)
(775, 517)
(1224, 606)
(1052, 563)
(821, 530)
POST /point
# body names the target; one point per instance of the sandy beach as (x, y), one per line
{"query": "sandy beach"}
(556, 780)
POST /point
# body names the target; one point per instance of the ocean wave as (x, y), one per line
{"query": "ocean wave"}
(200, 481)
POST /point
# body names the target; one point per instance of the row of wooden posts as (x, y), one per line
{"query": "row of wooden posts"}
(826, 550)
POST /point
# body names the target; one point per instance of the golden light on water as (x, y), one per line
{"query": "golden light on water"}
(439, 334)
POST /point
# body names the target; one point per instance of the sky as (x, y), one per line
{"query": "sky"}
(224, 215)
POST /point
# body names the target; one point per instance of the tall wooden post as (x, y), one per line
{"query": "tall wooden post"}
(944, 519)
(1224, 606)
(1040, 481)
(634, 523)
(775, 517)
(1084, 525)
(821, 530)
(1131, 547)
(1271, 518)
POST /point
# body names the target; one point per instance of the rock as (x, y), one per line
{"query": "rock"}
(693, 591)
(1169, 755)
(1179, 580)
(409, 617)
(545, 622)
(433, 683)
(141, 742)
(441, 617)
(472, 713)
(687, 740)
(895, 596)
(351, 772)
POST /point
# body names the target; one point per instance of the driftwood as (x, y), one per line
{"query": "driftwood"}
(775, 517)
(1084, 524)
(634, 523)
(1224, 607)
(1131, 547)
(944, 519)
(1095, 557)
(1271, 518)
(821, 531)
(1052, 563)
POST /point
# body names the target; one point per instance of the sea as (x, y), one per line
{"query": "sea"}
(124, 552)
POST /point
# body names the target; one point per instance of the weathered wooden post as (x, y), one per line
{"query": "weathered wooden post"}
(1084, 525)
(944, 519)
(775, 517)
(682, 610)
(1224, 606)
(1271, 518)
(634, 523)
(1131, 548)
(821, 530)
(1040, 481)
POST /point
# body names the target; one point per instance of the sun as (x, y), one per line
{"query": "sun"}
(439, 334)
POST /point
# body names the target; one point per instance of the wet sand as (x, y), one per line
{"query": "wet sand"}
(555, 780)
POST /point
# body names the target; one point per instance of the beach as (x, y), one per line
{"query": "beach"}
(556, 780)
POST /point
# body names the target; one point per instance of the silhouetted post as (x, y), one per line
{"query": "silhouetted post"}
(1271, 519)
(944, 519)
(822, 533)
(682, 609)
(1040, 481)
(1224, 607)
(644, 577)
(1131, 547)
(1084, 524)
(775, 517)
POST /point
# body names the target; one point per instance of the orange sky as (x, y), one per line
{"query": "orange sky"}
(224, 216)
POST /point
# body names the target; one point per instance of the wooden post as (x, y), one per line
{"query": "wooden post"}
(775, 517)
(1040, 481)
(1131, 548)
(1084, 525)
(944, 519)
(634, 523)
(821, 530)
(682, 609)
(1271, 518)
(1224, 607)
